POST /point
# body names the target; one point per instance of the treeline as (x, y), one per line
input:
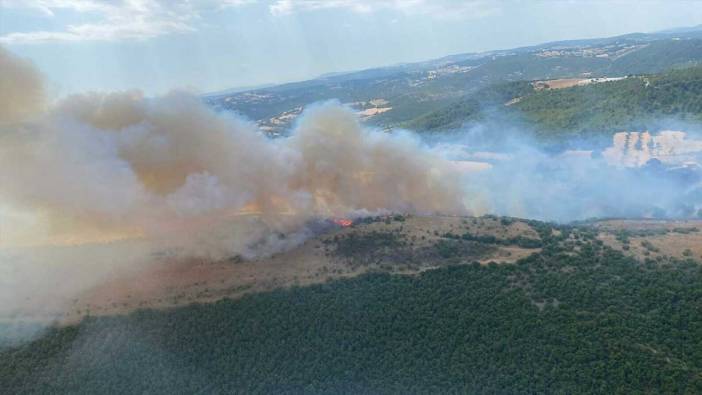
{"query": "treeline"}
(520, 241)
(577, 317)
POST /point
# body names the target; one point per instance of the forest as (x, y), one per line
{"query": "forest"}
(574, 317)
(637, 103)
(640, 102)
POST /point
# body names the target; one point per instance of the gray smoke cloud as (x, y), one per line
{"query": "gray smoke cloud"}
(120, 162)
(22, 89)
(174, 175)
(659, 177)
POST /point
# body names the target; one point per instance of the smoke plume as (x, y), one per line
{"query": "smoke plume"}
(103, 183)
(22, 89)
(171, 173)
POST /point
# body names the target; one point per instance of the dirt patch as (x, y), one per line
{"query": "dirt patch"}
(653, 238)
(557, 84)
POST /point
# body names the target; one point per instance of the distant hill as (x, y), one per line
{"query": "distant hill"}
(679, 30)
(409, 91)
(634, 103)
(639, 103)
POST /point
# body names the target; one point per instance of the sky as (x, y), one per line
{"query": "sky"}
(209, 45)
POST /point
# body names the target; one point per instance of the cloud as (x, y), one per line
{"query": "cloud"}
(143, 19)
(117, 19)
(286, 7)
(443, 9)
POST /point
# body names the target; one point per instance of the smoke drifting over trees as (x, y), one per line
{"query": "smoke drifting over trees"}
(134, 166)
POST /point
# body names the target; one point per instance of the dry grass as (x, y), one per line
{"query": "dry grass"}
(668, 237)
(180, 282)
(560, 84)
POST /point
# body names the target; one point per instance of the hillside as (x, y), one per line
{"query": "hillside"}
(396, 244)
(638, 103)
(522, 220)
(398, 94)
(579, 315)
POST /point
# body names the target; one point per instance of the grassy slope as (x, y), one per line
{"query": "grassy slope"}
(575, 318)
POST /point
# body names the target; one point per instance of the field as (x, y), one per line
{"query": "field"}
(653, 238)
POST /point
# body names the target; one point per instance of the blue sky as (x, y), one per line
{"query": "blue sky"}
(208, 45)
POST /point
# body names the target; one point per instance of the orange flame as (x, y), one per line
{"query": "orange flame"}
(344, 222)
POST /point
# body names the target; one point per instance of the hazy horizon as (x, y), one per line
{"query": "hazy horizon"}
(208, 46)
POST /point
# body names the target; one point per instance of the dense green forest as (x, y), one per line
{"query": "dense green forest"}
(576, 317)
(638, 102)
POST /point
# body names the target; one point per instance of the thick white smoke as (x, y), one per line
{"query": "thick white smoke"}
(167, 164)
(172, 173)
(22, 89)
